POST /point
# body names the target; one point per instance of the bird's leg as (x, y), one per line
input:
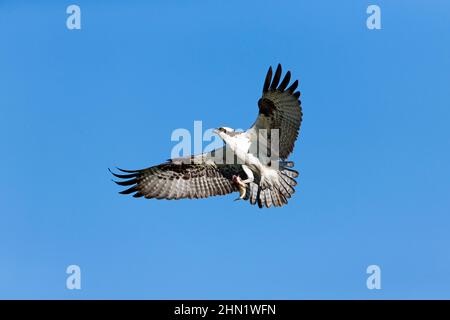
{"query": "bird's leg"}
(249, 173)
(242, 184)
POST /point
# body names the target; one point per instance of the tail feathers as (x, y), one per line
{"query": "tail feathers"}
(286, 164)
(275, 196)
(252, 193)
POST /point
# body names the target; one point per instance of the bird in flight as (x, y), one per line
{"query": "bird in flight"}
(252, 162)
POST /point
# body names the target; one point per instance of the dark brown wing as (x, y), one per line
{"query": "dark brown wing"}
(178, 180)
(280, 108)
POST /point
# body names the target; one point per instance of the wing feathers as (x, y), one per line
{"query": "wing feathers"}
(267, 80)
(280, 109)
(178, 180)
(285, 81)
(293, 86)
(276, 78)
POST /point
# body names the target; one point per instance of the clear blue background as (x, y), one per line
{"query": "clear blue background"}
(373, 155)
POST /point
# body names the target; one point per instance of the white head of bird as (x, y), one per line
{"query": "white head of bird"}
(225, 132)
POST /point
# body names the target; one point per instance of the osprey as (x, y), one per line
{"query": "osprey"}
(253, 162)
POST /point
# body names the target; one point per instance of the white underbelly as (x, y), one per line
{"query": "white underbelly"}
(240, 147)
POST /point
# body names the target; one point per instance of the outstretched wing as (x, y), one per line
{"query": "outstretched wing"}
(279, 108)
(178, 179)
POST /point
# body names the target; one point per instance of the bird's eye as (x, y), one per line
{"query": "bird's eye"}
(222, 130)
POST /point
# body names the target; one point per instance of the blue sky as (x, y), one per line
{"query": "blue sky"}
(373, 154)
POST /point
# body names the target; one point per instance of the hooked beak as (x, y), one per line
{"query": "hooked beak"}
(216, 131)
